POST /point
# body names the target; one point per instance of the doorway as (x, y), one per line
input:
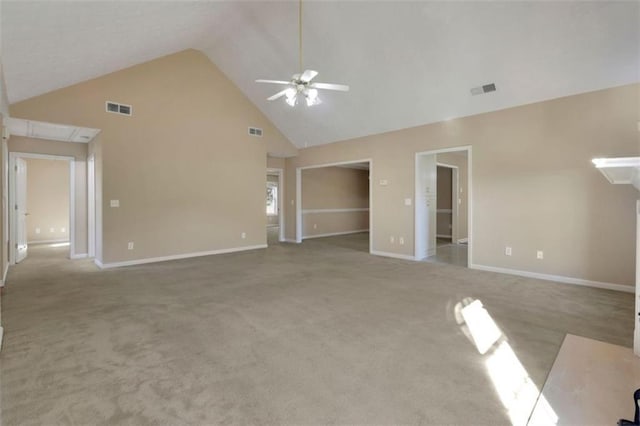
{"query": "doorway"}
(274, 210)
(333, 204)
(42, 197)
(443, 206)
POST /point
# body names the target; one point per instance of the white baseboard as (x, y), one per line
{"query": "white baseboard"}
(175, 257)
(556, 278)
(62, 240)
(443, 236)
(333, 234)
(290, 240)
(79, 256)
(463, 240)
(393, 255)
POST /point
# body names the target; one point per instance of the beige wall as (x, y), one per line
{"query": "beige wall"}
(533, 184)
(67, 149)
(459, 159)
(334, 188)
(47, 200)
(187, 175)
(275, 162)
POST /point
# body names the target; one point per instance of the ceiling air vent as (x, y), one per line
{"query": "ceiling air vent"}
(480, 90)
(254, 131)
(117, 108)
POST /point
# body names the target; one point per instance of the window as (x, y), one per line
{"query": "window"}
(272, 199)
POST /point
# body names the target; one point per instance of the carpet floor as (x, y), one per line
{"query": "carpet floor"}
(316, 333)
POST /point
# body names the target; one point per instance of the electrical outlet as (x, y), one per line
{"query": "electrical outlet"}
(52, 229)
(540, 254)
(243, 235)
(392, 239)
(407, 201)
(63, 230)
(114, 203)
(401, 241)
(37, 230)
(130, 245)
(507, 251)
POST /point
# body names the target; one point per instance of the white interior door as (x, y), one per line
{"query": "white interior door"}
(636, 314)
(21, 209)
(426, 206)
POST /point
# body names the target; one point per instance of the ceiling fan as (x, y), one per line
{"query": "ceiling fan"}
(301, 86)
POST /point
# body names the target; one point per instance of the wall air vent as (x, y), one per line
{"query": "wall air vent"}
(480, 90)
(254, 131)
(117, 108)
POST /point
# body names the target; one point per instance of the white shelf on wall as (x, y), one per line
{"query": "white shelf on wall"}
(622, 170)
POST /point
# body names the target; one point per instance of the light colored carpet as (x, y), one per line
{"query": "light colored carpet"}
(317, 333)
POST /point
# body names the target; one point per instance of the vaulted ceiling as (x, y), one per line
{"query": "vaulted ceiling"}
(408, 63)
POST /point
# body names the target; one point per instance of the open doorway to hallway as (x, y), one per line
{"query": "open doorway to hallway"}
(442, 206)
(334, 203)
(42, 196)
(274, 210)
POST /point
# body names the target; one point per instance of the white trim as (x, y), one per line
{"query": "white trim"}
(60, 240)
(1, 336)
(80, 256)
(339, 163)
(393, 255)
(556, 278)
(443, 236)
(313, 211)
(72, 208)
(4, 274)
(12, 195)
(469, 150)
(176, 257)
(463, 240)
(91, 205)
(331, 234)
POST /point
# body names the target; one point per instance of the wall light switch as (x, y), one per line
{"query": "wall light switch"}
(540, 254)
(384, 182)
(52, 229)
(37, 230)
(243, 235)
(130, 245)
(315, 226)
(507, 251)
(63, 229)
(407, 201)
(115, 203)
(392, 239)
(401, 241)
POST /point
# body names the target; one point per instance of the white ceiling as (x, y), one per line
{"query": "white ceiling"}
(408, 63)
(50, 131)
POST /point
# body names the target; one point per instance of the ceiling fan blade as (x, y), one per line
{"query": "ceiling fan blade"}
(277, 95)
(273, 81)
(308, 75)
(330, 86)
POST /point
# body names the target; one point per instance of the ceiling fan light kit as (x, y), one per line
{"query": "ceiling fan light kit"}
(300, 85)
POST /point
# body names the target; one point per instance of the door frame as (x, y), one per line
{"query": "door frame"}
(318, 166)
(416, 218)
(280, 173)
(12, 199)
(455, 198)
